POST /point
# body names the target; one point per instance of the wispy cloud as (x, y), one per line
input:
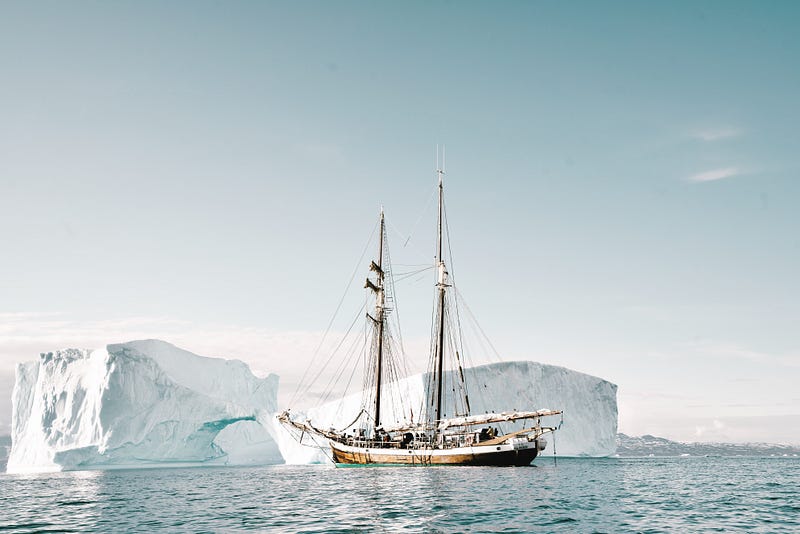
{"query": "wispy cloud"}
(715, 174)
(715, 134)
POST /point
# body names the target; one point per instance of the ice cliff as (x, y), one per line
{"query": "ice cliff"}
(139, 404)
(589, 404)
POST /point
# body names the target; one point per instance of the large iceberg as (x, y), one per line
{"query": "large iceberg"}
(589, 404)
(138, 404)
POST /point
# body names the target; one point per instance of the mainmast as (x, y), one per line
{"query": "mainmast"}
(379, 318)
(441, 285)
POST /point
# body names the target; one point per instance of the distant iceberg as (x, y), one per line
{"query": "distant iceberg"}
(139, 404)
(589, 403)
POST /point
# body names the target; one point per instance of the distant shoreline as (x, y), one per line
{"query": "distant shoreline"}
(654, 446)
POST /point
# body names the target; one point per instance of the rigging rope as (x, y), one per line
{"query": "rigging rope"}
(343, 365)
(322, 369)
(477, 324)
(434, 190)
(333, 318)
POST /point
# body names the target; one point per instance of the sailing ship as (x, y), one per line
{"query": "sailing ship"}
(464, 438)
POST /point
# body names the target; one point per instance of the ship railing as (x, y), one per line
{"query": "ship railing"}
(383, 444)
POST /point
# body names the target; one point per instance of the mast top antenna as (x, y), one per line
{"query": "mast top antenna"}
(440, 168)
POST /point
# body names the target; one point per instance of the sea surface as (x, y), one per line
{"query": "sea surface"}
(574, 495)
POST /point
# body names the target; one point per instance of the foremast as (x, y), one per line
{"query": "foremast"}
(379, 319)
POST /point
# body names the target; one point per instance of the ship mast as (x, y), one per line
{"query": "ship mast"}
(441, 285)
(379, 318)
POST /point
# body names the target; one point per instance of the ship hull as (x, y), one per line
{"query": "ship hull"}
(518, 454)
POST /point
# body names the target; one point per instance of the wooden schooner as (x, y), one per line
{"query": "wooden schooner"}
(435, 440)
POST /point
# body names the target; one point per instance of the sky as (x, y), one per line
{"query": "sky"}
(621, 188)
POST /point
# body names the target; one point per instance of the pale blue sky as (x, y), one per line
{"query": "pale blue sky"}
(622, 183)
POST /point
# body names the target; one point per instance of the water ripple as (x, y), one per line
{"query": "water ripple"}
(600, 495)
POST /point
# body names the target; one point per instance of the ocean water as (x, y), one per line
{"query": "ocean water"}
(576, 495)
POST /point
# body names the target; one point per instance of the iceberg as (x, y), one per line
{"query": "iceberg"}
(139, 404)
(589, 426)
